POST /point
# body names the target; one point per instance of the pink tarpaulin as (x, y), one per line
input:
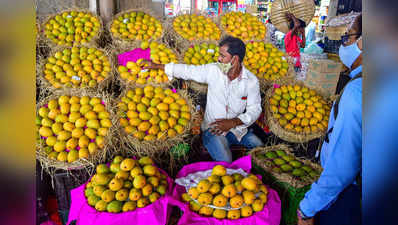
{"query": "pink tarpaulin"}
(134, 55)
(270, 215)
(156, 213)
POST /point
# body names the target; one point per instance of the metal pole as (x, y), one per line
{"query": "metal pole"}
(93, 4)
(107, 9)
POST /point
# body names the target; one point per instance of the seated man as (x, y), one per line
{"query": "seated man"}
(233, 98)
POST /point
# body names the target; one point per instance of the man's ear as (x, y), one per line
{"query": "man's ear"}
(235, 59)
(360, 43)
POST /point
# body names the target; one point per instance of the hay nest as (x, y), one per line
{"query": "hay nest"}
(154, 148)
(278, 130)
(124, 83)
(47, 86)
(94, 39)
(110, 141)
(280, 176)
(123, 43)
(178, 40)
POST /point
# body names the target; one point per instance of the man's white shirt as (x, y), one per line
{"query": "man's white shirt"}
(225, 99)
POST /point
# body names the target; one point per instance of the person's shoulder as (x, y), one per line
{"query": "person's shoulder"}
(250, 76)
(352, 95)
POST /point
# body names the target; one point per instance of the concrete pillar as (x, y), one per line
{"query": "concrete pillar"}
(107, 10)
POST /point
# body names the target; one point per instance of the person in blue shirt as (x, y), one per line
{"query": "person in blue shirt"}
(335, 197)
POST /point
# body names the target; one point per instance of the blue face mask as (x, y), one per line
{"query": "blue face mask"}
(348, 54)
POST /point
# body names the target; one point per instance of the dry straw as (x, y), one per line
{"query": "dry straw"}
(47, 86)
(110, 141)
(125, 84)
(279, 131)
(123, 43)
(94, 39)
(283, 177)
(154, 148)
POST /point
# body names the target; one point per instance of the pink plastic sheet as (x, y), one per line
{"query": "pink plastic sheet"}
(134, 55)
(270, 215)
(156, 213)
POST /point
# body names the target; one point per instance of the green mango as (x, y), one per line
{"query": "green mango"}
(279, 161)
(114, 206)
(280, 152)
(298, 172)
(288, 158)
(271, 155)
(88, 192)
(296, 164)
(286, 96)
(307, 169)
(93, 199)
(314, 174)
(276, 170)
(286, 168)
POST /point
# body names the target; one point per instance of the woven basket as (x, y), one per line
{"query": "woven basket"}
(94, 39)
(289, 190)
(50, 165)
(154, 147)
(123, 43)
(279, 131)
(45, 84)
(301, 9)
(283, 177)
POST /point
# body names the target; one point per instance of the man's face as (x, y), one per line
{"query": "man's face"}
(224, 56)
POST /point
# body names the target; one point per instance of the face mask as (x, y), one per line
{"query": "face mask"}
(224, 67)
(348, 54)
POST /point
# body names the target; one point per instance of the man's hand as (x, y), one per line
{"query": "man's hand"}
(224, 125)
(152, 65)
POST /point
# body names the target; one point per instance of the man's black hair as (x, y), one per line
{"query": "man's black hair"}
(301, 22)
(235, 46)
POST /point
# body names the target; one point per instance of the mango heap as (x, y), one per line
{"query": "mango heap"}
(73, 127)
(73, 27)
(244, 195)
(124, 185)
(200, 54)
(136, 26)
(243, 25)
(77, 67)
(134, 72)
(281, 162)
(153, 113)
(194, 27)
(265, 61)
(299, 109)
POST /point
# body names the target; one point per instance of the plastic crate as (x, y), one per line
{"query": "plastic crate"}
(290, 196)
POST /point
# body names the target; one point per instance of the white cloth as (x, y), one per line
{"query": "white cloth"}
(225, 99)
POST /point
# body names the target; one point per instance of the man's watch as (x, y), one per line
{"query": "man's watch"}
(302, 216)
